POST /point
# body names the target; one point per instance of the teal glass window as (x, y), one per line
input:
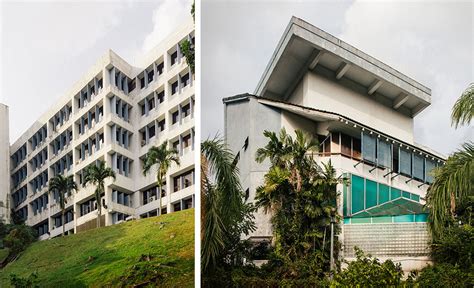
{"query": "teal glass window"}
(395, 193)
(384, 193)
(357, 194)
(371, 194)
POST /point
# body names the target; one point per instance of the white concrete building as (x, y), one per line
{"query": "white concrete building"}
(4, 165)
(115, 113)
(362, 111)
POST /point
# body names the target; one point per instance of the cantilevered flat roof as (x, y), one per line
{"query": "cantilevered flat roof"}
(304, 47)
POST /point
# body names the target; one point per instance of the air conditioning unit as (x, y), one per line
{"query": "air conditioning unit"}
(151, 199)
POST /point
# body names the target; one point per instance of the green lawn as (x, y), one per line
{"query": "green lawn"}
(144, 252)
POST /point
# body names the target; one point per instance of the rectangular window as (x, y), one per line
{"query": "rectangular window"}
(174, 58)
(151, 131)
(161, 125)
(174, 88)
(185, 80)
(161, 97)
(175, 117)
(186, 110)
(159, 68)
(187, 141)
(418, 167)
(142, 82)
(368, 148)
(384, 154)
(151, 103)
(346, 146)
(430, 165)
(404, 159)
(151, 74)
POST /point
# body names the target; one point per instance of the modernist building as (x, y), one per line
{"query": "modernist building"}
(362, 111)
(115, 113)
(4, 165)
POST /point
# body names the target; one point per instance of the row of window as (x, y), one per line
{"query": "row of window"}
(151, 194)
(87, 93)
(58, 120)
(19, 196)
(40, 204)
(19, 176)
(39, 182)
(62, 165)
(121, 198)
(39, 159)
(68, 217)
(90, 146)
(91, 118)
(19, 156)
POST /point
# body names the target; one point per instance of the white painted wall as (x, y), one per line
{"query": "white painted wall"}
(318, 92)
(4, 164)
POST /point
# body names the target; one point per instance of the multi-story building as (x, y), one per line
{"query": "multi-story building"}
(362, 111)
(4, 165)
(114, 113)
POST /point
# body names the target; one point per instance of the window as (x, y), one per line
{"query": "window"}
(187, 141)
(159, 68)
(161, 125)
(142, 106)
(142, 82)
(175, 117)
(174, 58)
(151, 131)
(404, 162)
(151, 103)
(430, 165)
(346, 145)
(186, 110)
(151, 74)
(174, 88)
(185, 80)
(418, 167)
(368, 148)
(384, 154)
(176, 145)
(161, 96)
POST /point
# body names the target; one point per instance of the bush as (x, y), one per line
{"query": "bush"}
(443, 275)
(27, 282)
(367, 271)
(19, 238)
(455, 246)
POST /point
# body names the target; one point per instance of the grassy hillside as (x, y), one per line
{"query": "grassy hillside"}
(158, 250)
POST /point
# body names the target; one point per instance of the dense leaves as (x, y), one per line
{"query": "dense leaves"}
(96, 175)
(225, 215)
(18, 238)
(162, 157)
(64, 186)
(301, 197)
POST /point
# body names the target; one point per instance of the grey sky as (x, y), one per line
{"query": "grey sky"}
(46, 47)
(432, 42)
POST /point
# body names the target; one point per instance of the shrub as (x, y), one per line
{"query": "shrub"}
(367, 271)
(19, 238)
(455, 246)
(443, 275)
(24, 282)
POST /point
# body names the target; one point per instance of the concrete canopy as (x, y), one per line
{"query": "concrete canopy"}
(304, 47)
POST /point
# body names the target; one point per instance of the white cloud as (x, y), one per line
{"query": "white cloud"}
(430, 42)
(166, 18)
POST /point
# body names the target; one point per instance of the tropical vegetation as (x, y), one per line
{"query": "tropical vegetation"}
(63, 186)
(162, 157)
(96, 175)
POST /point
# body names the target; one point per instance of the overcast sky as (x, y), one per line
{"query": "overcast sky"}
(432, 42)
(47, 47)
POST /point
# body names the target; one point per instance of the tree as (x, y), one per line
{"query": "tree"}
(225, 215)
(64, 186)
(454, 181)
(96, 175)
(463, 110)
(163, 158)
(301, 197)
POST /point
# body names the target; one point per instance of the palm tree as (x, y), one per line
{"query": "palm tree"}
(454, 181)
(463, 110)
(96, 175)
(225, 216)
(64, 186)
(163, 158)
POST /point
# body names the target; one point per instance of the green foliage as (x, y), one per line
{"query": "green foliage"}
(28, 282)
(134, 251)
(301, 196)
(453, 184)
(442, 275)
(162, 157)
(96, 175)
(463, 110)
(19, 237)
(455, 246)
(64, 185)
(187, 48)
(367, 271)
(225, 215)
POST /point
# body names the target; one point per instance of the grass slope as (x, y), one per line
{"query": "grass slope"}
(143, 252)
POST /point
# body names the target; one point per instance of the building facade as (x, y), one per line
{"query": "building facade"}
(362, 112)
(114, 113)
(4, 165)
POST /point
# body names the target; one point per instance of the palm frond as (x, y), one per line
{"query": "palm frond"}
(463, 110)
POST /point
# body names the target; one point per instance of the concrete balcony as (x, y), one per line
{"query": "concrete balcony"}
(116, 207)
(56, 231)
(183, 193)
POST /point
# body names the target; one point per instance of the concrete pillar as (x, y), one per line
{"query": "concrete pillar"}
(112, 77)
(180, 145)
(191, 106)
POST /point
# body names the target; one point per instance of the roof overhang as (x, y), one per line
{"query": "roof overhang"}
(304, 47)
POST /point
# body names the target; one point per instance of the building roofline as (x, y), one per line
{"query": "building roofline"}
(247, 96)
(323, 41)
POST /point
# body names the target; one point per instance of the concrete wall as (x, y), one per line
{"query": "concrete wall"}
(248, 118)
(320, 92)
(4, 163)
